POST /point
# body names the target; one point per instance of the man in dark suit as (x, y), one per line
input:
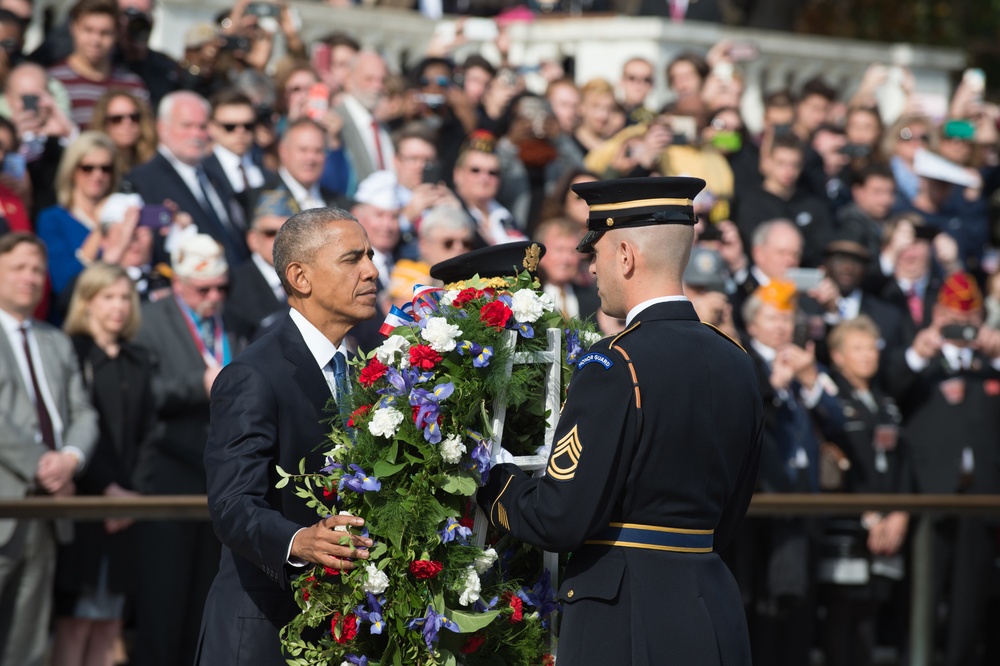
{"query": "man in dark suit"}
(560, 268)
(47, 432)
(177, 173)
(776, 246)
(949, 392)
(655, 457)
(301, 153)
(230, 164)
(257, 299)
(369, 147)
(189, 342)
(267, 409)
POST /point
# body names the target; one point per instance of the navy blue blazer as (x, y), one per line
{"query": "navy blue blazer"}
(267, 408)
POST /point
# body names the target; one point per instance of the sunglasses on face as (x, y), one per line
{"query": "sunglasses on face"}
(268, 233)
(449, 243)
(648, 80)
(106, 169)
(442, 81)
(205, 291)
(119, 118)
(231, 127)
(493, 173)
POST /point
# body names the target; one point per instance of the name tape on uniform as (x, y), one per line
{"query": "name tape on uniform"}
(594, 357)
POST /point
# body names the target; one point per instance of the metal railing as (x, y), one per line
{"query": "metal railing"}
(195, 507)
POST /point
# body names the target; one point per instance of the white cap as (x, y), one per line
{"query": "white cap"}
(115, 206)
(198, 257)
(379, 190)
(935, 167)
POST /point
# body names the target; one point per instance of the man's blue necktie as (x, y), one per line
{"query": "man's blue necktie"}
(340, 377)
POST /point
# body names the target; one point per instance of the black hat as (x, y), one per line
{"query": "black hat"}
(850, 243)
(637, 202)
(504, 260)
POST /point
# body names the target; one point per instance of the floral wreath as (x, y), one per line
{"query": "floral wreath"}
(408, 454)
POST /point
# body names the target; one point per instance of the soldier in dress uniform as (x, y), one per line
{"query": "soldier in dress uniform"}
(656, 453)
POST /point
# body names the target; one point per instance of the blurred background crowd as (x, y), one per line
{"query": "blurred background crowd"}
(853, 254)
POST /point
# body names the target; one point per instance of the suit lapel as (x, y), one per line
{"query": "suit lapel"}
(308, 376)
(10, 361)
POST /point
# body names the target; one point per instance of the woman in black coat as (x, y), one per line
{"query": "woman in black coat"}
(862, 561)
(95, 573)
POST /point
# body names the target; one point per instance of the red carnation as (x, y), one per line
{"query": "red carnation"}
(466, 295)
(329, 493)
(305, 595)
(516, 606)
(548, 660)
(349, 629)
(372, 372)
(331, 572)
(495, 314)
(423, 357)
(425, 568)
(474, 643)
(358, 413)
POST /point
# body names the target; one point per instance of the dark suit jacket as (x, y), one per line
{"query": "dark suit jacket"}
(246, 199)
(174, 464)
(251, 301)
(273, 181)
(267, 407)
(157, 180)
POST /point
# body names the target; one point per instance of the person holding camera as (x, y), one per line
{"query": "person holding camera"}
(949, 390)
(90, 70)
(158, 71)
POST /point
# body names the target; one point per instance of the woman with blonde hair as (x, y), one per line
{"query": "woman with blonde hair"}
(597, 108)
(87, 174)
(899, 147)
(95, 573)
(129, 122)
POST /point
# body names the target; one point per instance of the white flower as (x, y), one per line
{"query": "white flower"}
(440, 335)
(590, 337)
(548, 304)
(472, 588)
(486, 560)
(526, 306)
(452, 449)
(342, 528)
(395, 344)
(449, 297)
(377, 582)
(385, 422)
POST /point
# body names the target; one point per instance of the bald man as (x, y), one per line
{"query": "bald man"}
(655, 455)
(368, 144)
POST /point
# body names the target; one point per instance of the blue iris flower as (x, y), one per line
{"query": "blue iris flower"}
(355, 659)
(359, 482)
(428, 404)
(432, 623)
(455, 531)
(482, 606)
(372, 614)
(540, 595)
(525, 330)
(481, 456)
(573, 347)
(480, 355)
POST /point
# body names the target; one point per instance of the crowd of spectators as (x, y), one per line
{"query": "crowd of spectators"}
(854, 256)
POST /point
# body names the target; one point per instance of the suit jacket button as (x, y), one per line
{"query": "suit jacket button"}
(569, 595)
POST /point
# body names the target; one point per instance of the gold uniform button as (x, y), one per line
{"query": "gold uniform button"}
(569, 595)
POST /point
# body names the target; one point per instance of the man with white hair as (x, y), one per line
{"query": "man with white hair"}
(177, 173)
(368, 144)
(189, 342)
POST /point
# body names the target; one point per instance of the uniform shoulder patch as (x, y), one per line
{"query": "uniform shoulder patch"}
(595, 357)
(724, 335)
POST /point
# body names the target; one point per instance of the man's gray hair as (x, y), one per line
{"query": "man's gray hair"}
(301, 236)
(170, 100)
(444, 217)
(764, 229)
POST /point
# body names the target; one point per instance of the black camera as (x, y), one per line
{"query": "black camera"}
(959, 332)
(236, 43)
(140, 24)
(856, 151)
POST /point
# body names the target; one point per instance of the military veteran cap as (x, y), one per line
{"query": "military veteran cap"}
(637, 202)
(277, 203)
(504, 260)
(779, 294)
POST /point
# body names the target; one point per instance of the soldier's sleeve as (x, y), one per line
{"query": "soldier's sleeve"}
(587, 468)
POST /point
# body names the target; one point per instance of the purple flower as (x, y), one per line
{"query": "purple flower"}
(373, 613)
(480, 355)
(482, 606)
(481, 456)
(355, 659)
(454, 530)
(432, 623)
(540, 595)
(399, 382)
(359, 482)
(429, 409)
(525, 330)
(330, 466)
(573, 348)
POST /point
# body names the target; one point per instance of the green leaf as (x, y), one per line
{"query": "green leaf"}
(469, 623)
(459, 485)
(282, 482)
(281, 472)
(390, 455)
(385, 469)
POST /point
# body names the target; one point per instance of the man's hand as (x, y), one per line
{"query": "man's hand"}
(731, 246)
(322, 544)
(903, 236)
(55, 470)
(927, 343)
(802, 362)
(827, 294)
(112, 525)
(886, 537)
(988, 342)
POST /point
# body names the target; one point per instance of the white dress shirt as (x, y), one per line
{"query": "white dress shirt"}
(565, 298)
(653, 301)
(307, 199)
(231, 162)
(189, 175)
(270, 276)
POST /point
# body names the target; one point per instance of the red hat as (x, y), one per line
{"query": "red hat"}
(961, 293)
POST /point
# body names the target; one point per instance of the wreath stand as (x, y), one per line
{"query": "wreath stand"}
(552, 357)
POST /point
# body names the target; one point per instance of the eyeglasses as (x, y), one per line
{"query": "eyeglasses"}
(222, 289)
(267, 233)
(492, 173)
(906, 134)
(119, 118)
(106, 169)
(231, 127)
(648, 80)
(449, 243)
(442, 81)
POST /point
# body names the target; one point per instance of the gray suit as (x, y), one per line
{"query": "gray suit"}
(27, 547)
(354, 137)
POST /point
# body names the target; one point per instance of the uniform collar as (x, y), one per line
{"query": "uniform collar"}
(634, 312)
